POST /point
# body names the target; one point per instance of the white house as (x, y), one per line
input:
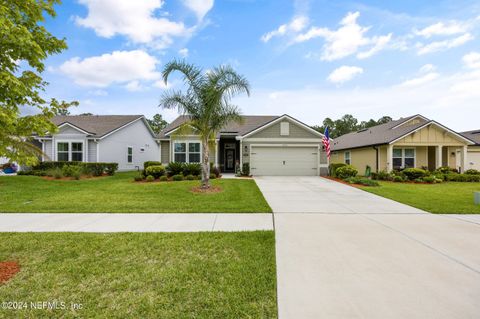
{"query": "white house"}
(124, 139)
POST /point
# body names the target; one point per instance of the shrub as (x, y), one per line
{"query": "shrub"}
(163, 178)
(150, 178)
(346, 171)
(384, 176)
(177, 178)
(398, 179)
(175, 168)
(429, 179)
(55, 173)
(190, 177)
(95, 169)
(71, 170)
(150, 163)
(156, 171)
(192, 169)
(138, 178)
(199, 177)
(213, 176)
(414, 173)
(472, 172)
(215, 171)
(246, 169)
(446, 170)
(362, 181)
(418, 180)
(333, 168)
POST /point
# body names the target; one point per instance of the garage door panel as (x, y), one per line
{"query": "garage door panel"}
(285, 160)
(473, 159)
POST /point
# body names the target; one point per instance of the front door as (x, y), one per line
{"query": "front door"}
(230, 160)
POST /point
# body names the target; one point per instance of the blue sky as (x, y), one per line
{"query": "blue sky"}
(310, 59)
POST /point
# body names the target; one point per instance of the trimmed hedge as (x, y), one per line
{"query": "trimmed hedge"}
(333, 168)
(414, 173)
(151, 163)
(346, 171)
(155, 170)
(95, 169)
(472, 172)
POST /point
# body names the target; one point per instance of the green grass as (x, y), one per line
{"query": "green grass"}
(444, 198)
(119, 194)
(149, 275)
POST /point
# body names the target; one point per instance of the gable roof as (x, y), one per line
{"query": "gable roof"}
(387, 133)
(96, 125)
(250, 123)
(473, 135)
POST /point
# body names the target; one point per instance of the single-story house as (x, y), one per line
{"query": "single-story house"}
(272, 145)
(473, 153)
(414, 141)
(124, 139)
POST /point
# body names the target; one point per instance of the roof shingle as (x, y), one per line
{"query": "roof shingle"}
(96, 125)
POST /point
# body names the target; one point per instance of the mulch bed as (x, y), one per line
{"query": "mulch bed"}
(342, 181)
(8, 269)
(212, 189)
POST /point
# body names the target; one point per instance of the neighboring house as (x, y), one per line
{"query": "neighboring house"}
(414, 141)
(473, 154)
(124, 139)
(272, 145)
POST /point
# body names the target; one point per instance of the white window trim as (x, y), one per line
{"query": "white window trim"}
(128, 147)
(187, 152)
(403, 155)
(55, 149)
(349, 157)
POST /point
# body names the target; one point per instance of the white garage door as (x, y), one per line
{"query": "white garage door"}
(473, 160)
(284, 160)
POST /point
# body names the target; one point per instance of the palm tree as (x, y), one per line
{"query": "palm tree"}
(206, 102)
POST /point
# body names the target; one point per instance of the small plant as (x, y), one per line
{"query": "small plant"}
(57, 173)
(384, 176)
(163, 178)
(414, 173)
(150, 178)
(71, 170)
(190, 177)
(175, 168)
(76, 175)
(418, 180)
(177, 178)
(362, 181)
(429, 179)
(213, 176)
(398, 179)
(346, 171)
(155, 170)
(447, 170)
(138, 178)
(192, 169)
(333, 168)
(246, 169)
(472, 172)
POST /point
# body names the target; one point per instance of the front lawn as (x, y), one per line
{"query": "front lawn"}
(444, 198)
(141, 275)
(119, 194)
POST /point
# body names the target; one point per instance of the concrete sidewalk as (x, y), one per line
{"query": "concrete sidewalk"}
(134, 222)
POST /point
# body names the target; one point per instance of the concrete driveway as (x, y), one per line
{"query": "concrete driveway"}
(345, 253)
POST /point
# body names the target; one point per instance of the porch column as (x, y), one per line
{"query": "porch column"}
(241, 154)
(438, 157)
(216, 153)
(389, 158)
(464, 158)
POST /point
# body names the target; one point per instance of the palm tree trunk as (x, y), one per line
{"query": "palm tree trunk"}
(205, 164)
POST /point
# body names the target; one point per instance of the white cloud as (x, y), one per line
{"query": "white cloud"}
(425, 75)
(472, 60)
(344, 73)
(297, 24)
(199, 7)
(134, 86)
(442, 29)
(98, 92)
(115, 67)
(443, 45)
(427, 68)
(183, 52)
(134, 19)
(346, 40)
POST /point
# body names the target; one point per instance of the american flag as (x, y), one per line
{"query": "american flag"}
(326, 142)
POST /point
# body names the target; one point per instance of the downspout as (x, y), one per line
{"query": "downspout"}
(376, 158)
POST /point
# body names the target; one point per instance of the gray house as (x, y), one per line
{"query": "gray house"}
(273, 145)
(124, 139)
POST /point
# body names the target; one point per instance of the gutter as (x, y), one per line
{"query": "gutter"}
(376, 158)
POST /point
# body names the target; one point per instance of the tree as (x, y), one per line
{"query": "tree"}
(24, 45)
(347, 124)
(206, 102)
(63, 112)
(157, 123)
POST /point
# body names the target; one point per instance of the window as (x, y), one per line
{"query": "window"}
(403, 158)
(129, 154)
(184, 154)
(347, 158)
(77, 152)
(194, 152)
(284, 128)
(62, 152)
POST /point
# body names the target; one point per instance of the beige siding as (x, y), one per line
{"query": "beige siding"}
(430, 135)
(421, 156)
(273, 131)
(165, 152)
